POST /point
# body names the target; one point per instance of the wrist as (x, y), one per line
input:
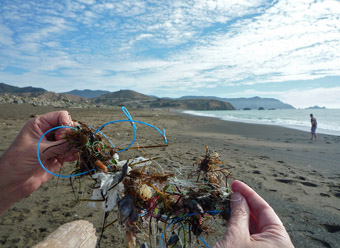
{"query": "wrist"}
(8, 197)
(10, 192)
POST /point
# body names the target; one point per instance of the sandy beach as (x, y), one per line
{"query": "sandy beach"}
(298, 177)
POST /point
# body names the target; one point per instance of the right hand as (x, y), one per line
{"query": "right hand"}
(253, 223)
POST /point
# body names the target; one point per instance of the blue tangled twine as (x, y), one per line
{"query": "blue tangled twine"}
(127, 114)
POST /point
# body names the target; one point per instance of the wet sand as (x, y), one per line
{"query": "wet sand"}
(298, 177)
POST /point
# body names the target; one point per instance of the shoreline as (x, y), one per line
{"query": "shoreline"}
(281, 143)
(297, 177)
(258, 122)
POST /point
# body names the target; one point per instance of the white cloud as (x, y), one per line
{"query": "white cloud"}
(143, 36)
(104, 6)
(310, 97)
(87, 1)
(52, 44)
(29, 47)
(6, 35)
(284, 43)
(156, 45)
(54, 26)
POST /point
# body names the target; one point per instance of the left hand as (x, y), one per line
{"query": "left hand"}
(20, 171)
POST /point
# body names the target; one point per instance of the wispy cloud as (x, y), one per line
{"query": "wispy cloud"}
(87, 1)
(155, 46)
(306, 98)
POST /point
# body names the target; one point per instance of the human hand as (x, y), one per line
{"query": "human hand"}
(253, 223)
(20, 172)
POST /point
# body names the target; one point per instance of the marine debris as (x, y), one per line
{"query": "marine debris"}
(160, 205)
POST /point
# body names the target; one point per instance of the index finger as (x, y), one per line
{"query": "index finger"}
(54, 119)
(45, 122)
(264, 214)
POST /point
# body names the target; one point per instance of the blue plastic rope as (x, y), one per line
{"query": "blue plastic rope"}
(189, 215)
(134, 131)
(42, 165)
(101, 133)
(127, 114)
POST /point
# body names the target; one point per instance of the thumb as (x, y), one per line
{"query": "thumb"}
(239, 218)
(238, 227)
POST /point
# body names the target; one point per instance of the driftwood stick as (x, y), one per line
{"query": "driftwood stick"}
(80, 233)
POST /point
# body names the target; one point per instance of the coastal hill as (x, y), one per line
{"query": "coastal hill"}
(5, 88)
(123, 95)
(128, 98)
(248, 103)
(316, 107)
(87, 93)
(39, 97)
(192, 104)
(50, 95)
(257, 103)
(38, 93)
(237, 103)
(131, 99)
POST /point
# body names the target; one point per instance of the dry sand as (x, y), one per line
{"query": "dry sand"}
(298, 177)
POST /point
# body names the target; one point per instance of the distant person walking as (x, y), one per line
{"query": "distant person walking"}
(314, 125)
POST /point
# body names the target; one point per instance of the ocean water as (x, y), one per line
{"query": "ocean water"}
(328, 119)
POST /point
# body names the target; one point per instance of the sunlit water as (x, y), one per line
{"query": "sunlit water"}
(328, 119)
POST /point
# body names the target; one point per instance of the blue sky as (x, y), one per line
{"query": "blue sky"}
(289, 50)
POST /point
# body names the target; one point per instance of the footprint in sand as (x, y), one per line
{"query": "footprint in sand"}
(335, 190)
(322, 242)
(336, 194)
(42, 229)
(331, 228)
(291, 181)
(309, 184)
(263, 157)
(288, 181)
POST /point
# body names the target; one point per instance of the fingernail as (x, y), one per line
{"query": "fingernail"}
(236, 198)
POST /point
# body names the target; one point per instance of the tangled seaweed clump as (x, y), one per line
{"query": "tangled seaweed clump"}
(157, 203)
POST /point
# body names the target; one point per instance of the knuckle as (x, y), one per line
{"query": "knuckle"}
(240, 212)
